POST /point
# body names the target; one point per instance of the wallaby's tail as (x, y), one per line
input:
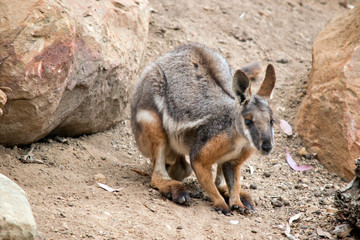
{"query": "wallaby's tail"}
(252, 70)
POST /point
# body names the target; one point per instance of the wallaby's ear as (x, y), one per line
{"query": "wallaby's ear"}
(268, 84)
(241, 87)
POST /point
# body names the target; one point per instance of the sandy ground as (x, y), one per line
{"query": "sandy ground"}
(68, 204)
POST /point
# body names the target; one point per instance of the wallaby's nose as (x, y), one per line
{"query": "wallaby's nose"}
(266, 146)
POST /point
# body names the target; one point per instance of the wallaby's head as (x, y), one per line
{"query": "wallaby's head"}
(254, 117)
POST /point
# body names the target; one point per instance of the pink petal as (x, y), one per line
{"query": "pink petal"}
(109, 189)
(293, 164)
(285, 126)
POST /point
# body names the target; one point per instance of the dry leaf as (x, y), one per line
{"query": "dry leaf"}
(322, 233)
(139, 172)
(291, 220)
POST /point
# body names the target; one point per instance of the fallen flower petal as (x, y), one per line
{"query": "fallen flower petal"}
(293, 164)
(285, 126)
(109, 189)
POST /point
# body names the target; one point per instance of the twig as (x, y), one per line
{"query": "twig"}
(29, 158)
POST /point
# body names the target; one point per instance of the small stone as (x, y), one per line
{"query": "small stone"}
(317, 194)
(252, 186)
(276, 203)
(318, 212)
(234, 222)
(303, 152)
(324, 202)
(286, 202)
(61, 140)
(304, 227)
(180, 228)
(282, 60)
(267, 174)
(100, 178)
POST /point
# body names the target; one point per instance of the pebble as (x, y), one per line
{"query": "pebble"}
(304, 227)
(267, 174)
(317, 194)
(282, 60)
(100, 178)
(276, 203)
(252, 186)
(324, 202)
(234, 222)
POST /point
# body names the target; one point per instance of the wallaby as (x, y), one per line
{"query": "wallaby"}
(189, 102)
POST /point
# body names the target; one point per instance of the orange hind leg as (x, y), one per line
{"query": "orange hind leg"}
(154, 143)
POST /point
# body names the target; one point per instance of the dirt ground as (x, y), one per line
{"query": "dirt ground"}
(68, 204)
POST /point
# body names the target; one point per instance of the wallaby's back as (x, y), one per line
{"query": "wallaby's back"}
(191, 78)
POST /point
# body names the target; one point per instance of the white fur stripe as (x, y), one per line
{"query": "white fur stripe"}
(145, 116)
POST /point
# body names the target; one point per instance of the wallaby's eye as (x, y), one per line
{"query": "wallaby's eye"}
(272, 121)
(248, 122)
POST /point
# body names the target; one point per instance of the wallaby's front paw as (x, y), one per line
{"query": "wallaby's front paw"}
(241, 209)
(222, 209)
(246, 200)
(176, 192)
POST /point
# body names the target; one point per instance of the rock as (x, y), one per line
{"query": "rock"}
(305, 154)
(276, 203)
(70, 65)
(329, 117)
(347, 199)
(16, 219)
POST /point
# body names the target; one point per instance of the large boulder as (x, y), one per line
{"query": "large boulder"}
(70, 65)
(329, 117)
(16, 219)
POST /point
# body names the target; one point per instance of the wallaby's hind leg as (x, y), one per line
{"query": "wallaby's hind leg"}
(180, 168)
(220, 183)
(153, 141)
